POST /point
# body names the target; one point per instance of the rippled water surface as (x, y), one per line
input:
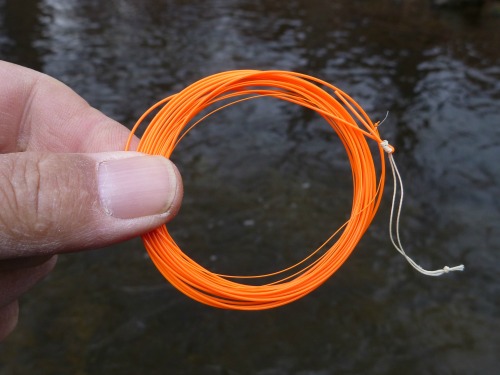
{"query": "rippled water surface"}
(266, 182)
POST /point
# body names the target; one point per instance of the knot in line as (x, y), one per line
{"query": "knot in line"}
(387, 147)
(447, 269)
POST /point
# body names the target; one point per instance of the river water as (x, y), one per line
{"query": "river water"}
(266, 182)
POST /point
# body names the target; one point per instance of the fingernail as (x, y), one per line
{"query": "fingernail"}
(137, 186)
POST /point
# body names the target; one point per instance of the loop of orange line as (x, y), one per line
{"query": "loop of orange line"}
(176, 115)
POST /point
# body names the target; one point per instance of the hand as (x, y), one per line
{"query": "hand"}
(64, 184)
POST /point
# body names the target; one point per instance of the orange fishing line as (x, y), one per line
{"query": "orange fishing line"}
(173, 119)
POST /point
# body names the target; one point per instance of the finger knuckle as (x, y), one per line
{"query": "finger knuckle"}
(39, 199)
(20, 183)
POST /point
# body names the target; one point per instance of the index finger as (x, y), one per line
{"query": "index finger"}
(40, 113)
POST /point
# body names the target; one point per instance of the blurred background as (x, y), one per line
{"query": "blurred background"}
(266, 182)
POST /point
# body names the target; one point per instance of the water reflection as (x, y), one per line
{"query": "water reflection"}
(267, 181)
(20, 34)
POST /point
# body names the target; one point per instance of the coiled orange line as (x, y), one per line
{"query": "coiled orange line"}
(176, 115)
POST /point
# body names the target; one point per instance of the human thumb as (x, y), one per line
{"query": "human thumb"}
(53, 203)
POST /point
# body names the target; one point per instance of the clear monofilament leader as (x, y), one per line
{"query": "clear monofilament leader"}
(395, 217)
